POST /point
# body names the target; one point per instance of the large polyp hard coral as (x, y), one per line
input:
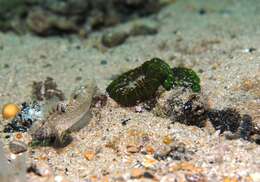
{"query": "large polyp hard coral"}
(141, 83)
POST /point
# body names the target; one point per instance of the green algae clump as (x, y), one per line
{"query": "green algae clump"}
(185, 77)
(140, 84)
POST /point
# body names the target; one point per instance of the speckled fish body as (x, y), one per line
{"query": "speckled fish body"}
(77, 115)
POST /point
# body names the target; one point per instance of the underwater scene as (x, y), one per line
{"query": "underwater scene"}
(130, 91)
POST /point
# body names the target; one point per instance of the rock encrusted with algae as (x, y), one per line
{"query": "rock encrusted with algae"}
(187, 78)
(141, 83)
(182, 105)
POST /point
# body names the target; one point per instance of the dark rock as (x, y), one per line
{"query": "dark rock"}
(112, 39)
(183, 106)
(246, 127)
(17, 147)
(103, 62)
(202, 11)
(225, 120)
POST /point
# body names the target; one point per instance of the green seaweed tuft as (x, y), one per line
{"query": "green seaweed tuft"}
(187, 78)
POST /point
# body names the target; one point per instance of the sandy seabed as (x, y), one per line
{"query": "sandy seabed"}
(222, 45)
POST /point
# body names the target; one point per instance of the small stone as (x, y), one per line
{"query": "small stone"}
(247, 85)
(249, 50)
(255, 176)
(167, 140)
(230, 179)
(186, 166)
(40, 169)
(195, 177)
(17, 147)
(162, 152)
(19, 136)
(103, 62)
(137, 173)
(202, 11)
(132, 149)
(10, 110)
(113, 39)
(149, 149)
(89, 155)
(149, 162)
(138, 109)
(60, 179)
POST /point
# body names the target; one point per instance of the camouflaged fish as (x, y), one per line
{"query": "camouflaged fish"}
(67, 118)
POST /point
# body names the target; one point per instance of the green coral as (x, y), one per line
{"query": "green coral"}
(161, 70)
(141, 83)
(187, 78)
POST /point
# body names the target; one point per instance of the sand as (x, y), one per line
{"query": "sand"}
(216, 45)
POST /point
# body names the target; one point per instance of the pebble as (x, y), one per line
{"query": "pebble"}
(137, 172)
(113, 39)
(249, 50)
(247, 85)
(132, 149)
(149, 162)
(103, 62)
(41, 169)
(186, 166)
(149, 149)
(17, 147)
(138, 109)
(89, 155)
(167, 140)
(255, 176)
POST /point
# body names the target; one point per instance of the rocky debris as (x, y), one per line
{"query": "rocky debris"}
(173, 152)
(17, 147)
(182, 105)
(235, 126)
(44, 23)
(30, 113)
(71, 16)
